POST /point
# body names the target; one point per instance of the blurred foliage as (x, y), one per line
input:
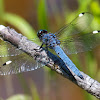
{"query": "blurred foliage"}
(42, 9)
(42, 14)
(34, 93)
(18, 22)
(20, 97)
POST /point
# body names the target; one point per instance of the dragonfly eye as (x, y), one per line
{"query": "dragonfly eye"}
(45, 31)
(41, 32)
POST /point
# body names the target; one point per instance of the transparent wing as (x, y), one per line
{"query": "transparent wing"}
(13, 60)
(6, 49)
(18, 64)
(81, 42)
(79, 24)
(36, 40)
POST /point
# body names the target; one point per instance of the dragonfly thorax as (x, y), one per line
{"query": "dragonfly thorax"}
(50, 40)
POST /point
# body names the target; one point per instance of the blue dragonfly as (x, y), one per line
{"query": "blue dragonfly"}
(71, 38)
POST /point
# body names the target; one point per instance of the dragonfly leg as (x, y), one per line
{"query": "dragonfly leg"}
(39, 48)
(45, 47)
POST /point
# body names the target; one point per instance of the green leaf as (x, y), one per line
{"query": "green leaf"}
(20, 97)
(42, 14)
(1, 11)
(95, 7)
(84, 5)
(18, 22)
(33, 90)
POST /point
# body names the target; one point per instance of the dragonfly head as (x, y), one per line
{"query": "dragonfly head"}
(41, 32)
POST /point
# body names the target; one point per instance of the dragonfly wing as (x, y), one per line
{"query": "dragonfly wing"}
(81, 42)
(17, 64)
(13, 60)
(79, 24)
(6, 49)
(36, 40)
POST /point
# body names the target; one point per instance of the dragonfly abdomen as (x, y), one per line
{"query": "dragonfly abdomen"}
(67, 61)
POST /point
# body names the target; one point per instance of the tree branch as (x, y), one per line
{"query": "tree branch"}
(50, 60)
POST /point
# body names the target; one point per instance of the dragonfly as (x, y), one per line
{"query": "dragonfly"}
(70, 39)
